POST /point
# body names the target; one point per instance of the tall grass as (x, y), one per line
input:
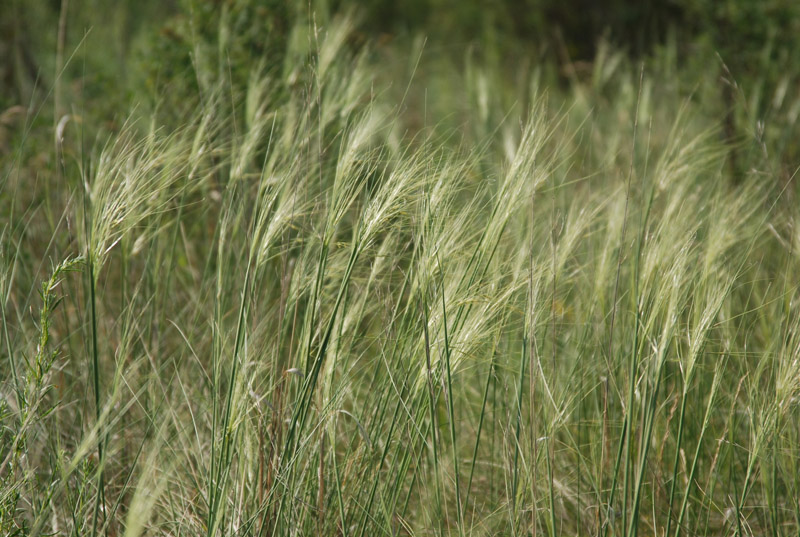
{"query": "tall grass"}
(305, 311)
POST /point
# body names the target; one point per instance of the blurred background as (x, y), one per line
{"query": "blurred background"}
(739, 58)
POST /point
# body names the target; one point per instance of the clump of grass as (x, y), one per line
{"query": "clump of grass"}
(304, 311)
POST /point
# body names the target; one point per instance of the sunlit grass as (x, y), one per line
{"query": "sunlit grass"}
(300, 315)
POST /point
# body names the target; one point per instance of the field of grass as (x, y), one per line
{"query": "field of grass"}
(360, 288)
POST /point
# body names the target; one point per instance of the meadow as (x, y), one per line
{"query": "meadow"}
(349, 285)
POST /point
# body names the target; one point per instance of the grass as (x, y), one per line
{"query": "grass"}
(325, 302)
